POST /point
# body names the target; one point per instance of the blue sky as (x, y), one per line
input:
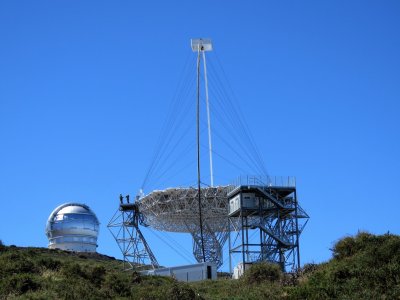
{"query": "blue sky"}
(84, 86)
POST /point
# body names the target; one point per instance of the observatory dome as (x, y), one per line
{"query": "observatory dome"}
(73, 227)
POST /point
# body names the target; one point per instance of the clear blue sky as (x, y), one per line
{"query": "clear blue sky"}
(84, 86)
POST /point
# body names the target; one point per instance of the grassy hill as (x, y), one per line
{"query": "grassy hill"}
(365, 266)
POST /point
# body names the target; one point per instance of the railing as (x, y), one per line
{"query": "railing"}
(275, 181)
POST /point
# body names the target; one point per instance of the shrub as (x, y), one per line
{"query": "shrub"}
(309, 268)
(181, 291)
(19, 284)
(71, 288)
(97, 274)
(365, 266)
(16, 263)
(73, 270)
(136, 277)
(49, 264)
(263, 272)
(116, 284)
(344, 248)
(363, 241)
(31, 253)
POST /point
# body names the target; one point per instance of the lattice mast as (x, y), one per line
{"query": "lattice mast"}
(124, 226)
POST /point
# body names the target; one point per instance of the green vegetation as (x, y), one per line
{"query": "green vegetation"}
(362, 267)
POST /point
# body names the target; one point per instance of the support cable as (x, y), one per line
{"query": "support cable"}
(183, 85)
(236, 137)
(236, 120)
(250, 161)
(243, 125)
(232, 119)
(174, 162)
(168, 137)
(228, 161)
(170, 245)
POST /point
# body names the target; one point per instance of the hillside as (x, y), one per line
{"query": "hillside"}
(362, 267)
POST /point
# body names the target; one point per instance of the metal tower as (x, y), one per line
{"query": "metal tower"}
(266, 221)
(124, 226)
(261, 218)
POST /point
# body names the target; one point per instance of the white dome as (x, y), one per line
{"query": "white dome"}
(74, 227)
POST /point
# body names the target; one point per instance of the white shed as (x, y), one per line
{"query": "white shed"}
(239, 270)
(188, 273)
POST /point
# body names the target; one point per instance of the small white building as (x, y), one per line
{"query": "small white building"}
(239, 270)
(188, 273)
(249, 201)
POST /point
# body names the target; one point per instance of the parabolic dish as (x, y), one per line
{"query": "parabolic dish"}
(177, 209)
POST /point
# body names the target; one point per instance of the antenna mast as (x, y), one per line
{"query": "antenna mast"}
(208, 120)
(200, 46)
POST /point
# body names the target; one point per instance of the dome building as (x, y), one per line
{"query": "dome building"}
(73, 227)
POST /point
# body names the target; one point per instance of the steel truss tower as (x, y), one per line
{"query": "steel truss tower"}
(266, 222)
(124, 226)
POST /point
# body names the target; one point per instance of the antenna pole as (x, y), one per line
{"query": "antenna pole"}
(198, 154)
(208, 120)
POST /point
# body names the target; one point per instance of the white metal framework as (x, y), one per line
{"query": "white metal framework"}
(124, 226)
(271, 213)
(266, 221)
(174, 209)
(177, 210)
